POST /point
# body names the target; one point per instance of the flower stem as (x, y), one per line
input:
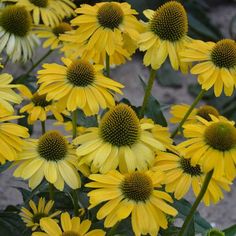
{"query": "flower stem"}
(148, 91)
(75, 202)
(38, 62)
(113, 229)
(195, 102)
(74, 124)
(196, 203)
(51, 191)
(107, 65)
(43, 127)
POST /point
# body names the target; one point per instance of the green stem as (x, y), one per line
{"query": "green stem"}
(196, 203)
(39, 61)
(113, 229)
(148, 91)
(51, 191)
(74, 124)
(196, 101)
(43, 127)
(75, 202)
(107, 65)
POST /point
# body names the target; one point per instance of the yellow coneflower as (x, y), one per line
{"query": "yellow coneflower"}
(121, 140)
(104, 25)
(134, 194)
(69, 227)
(50, 156)
(178, 112)
(15, 33)
(165, 35)
(39, 107)
(78, 84)
(211, 144)
(11, 138)
(52, 34)
(216, 65)
(50, 12)
(181, 175)
(32, 216)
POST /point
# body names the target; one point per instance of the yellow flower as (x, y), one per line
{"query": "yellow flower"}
(50, 156)
(78, 84)
(216, 65)
(70, 227)
(15, 33)
(73, 49)
(181, 175)
(11, 138)
(120, 140)
(134, 194)
(50, 12)
(178, 112)
(105, 26)
(52, 34)
(33, 216)
(211, 144)
(68, 126)
(8, 96)
(165, 35)
(39, 107)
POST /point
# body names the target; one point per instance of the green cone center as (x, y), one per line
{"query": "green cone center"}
(170, 22)
(137, 187)
(120, 126)
(205, 112)
(221, 136)
(40, 3)
(110, 15)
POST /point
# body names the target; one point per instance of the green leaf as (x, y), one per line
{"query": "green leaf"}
(12, 225)
(5, 166)
(231, 231)
(153, 109)
(190, 230)
(183, 207)
(87, 121)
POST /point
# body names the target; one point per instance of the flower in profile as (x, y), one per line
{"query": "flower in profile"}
(216, 64)
(181, 175)
(39, 107)
(11, 138)
(165, 35)
(205, 111)
(8, 95)
(73, 49)
(32, 216)
(212, 145)
(15, 33)
(106, 26)
(52, 34)
(134, 194)
(68, 126)
(70, 227)
(120, 140)
(50, 12)
(50, 156)
(78, 84)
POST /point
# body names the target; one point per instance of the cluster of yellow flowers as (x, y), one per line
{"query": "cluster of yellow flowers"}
(132, 163)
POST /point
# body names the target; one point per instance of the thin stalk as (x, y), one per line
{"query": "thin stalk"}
(51, 191)
(195, 102)
(196, 203)
(107, 65)
(113, 229)
(43, 126)
(75, 202)
(74, 124)
(38, 62)
(148, 91)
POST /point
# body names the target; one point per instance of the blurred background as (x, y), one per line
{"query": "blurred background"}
(209, 20)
